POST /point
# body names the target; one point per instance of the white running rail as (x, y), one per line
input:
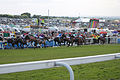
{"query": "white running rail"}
(27, 66)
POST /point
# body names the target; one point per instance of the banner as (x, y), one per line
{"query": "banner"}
(93, 23)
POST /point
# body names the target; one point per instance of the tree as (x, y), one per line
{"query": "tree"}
(17, 16)
(26, 14)
(10, 16)
(6, 15)
(36, 16)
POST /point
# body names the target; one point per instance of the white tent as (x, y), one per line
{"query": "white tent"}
(53, 28)
(26, 29)
(82, 20)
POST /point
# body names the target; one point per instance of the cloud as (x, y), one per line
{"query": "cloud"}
(62, 7)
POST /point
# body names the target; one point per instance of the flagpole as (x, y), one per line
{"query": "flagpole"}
(48, 17)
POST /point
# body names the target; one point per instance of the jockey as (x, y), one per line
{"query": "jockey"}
(35, 36)
(41, 37)
(63, 35)
(22, 36)
(81, 36)
(74, 35)
(59, 35)
(12, 37)
(98, 36)
(68, 36)
(1, 37)
(101, 35)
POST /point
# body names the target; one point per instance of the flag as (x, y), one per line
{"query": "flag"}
(42, 21)
(36, 21)
(27, 27)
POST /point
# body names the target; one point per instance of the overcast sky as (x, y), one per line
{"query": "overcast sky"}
(62, 7)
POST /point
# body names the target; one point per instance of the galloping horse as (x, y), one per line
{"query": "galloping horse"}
(21, 42)
(79, 40)
(31, 39)
(35, 41)
(102, 40)
(70, 40)
(84, 40)
(11, 41)
(58, 40)
(16, 41)
(63, 37)
(1, 39)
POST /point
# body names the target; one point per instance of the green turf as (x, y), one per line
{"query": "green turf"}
(25, 55)
(108, 70)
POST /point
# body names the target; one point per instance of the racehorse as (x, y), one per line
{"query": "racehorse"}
(30, 39)
(11, 41)
(63, 37)
(84, 40)
(78, 40)
(102, 40)
(40, 42)
(20, 42)
(70, 40)
(35, 41)
(1, 39)
(58, 40)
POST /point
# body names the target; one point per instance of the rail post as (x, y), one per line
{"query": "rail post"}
(68, 68)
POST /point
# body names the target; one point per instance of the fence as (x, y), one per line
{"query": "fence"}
(48, 43)
(27, 66)
(113, 40)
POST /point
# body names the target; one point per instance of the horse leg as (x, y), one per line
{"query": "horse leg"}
(26, 44)
(44, 45)
(18, 45)
(22, 45)
(68, 44)
(71, 43)
(59, 43)
(54, 42)
(40, 45)
(8, 44)
(77, 43)
(31, 43)
(35, 45)
(85, 42)
(64, 42)
(12, 45)
(103, 41)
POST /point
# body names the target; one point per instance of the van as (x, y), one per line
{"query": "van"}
(16, 30)
(1, 29)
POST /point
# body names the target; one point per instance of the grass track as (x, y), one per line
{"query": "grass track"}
(25, 55)
(108, 70)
